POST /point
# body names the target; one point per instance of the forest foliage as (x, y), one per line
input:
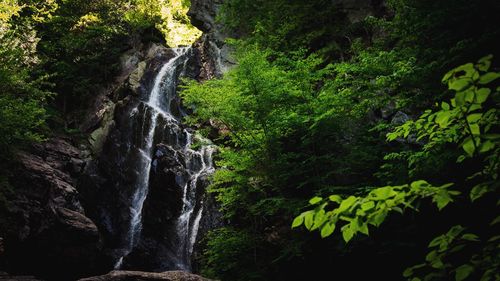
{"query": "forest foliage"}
(337, 125)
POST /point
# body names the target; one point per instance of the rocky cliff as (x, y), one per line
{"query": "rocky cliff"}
(69, 203)
(44, 227)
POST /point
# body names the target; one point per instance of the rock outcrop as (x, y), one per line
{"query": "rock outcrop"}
(215, 54)
(119, 275)
(44, 226)
(117, 164)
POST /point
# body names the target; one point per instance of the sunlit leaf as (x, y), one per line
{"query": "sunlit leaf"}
(315, 200)
(469, 146)
(472, 118)
(327, 229)
(347, 233)
(488, 77)
(298, 221)
(346, 204)
(458, 84)
(367, 205)
(309, 219)
(482, 95)
(335, 198)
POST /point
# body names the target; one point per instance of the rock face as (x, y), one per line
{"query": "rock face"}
(109, 178)
(215, 54)
(118, 275)
(44, 226)
(118, 143)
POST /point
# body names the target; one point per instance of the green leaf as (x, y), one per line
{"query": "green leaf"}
(491, 136)
(470, 237)
(335, 198)
(347, 233)
(419, 184)
(458, 84)
(346, 204)
(309, 219)
(469, 95)
(460, 98)
(486, 146)
(495, 221)
(327, 229)
(437, 263)
(461, 158)
(315, 200)
(378, 217)
(478, 191)
(474, 129)
(448, 75)
(455, 231)
(319, 219)
(398, 209)
(363, 228)
(442, 118)
(442, 198)
(468, 146)
(488, 77)
(463, 271)
(298, 221)
(436, 241)
(494, 238)
(367, 205)
(391, 136)
(472, 118)
(482, 95)
(382, 193)
(408, 272)
(445, 106)
(484, 63)
(474, 107)
(431, 256)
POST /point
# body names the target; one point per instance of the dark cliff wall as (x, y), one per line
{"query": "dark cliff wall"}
(45, 230)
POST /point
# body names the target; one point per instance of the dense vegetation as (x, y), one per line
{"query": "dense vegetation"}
(326, 108)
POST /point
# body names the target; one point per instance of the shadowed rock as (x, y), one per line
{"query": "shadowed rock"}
(119, 275)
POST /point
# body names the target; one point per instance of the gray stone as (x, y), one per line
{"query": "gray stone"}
(119, 275)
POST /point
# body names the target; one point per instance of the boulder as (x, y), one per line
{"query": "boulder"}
(119, 275)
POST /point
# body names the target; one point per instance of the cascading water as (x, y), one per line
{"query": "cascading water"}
(158, 119)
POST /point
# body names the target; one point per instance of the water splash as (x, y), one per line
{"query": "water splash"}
(158, 106)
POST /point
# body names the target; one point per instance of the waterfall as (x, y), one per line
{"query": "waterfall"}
(157, 110)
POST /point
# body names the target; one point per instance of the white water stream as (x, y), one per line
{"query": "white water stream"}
(197, 163)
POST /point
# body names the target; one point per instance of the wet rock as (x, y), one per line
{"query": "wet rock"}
(162, 207)
(164, 202)
(146, 276)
